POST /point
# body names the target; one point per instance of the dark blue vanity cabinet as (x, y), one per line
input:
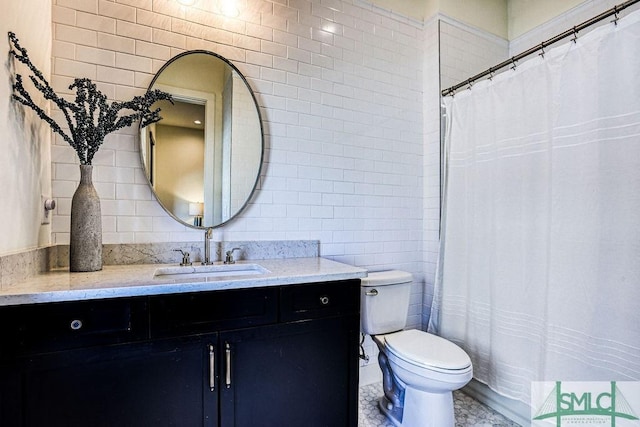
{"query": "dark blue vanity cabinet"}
(272, 356)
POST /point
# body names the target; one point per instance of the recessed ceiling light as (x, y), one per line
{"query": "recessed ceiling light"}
(198, 122)
(187, 2)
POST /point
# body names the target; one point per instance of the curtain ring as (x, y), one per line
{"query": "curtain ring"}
(513, 62)
(575, 35)
(469, 84)
(616, 15)
(491, 73)
(542, 50)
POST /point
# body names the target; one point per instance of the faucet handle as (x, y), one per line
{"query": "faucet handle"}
(186, 260)
(229, 258)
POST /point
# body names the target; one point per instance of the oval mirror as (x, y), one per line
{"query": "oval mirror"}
(203, 159)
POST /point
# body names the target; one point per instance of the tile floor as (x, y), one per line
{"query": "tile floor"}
(469, 412)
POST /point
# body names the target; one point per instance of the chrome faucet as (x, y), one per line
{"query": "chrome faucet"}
(207, 247)
(186, 260)
(229, 259)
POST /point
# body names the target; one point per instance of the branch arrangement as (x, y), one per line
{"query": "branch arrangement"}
(90, 117)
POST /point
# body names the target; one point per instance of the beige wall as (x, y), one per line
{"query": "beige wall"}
(25, 140)
(180, 156)
(524, 15)
(487, 15)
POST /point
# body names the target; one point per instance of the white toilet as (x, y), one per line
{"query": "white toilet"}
(420, 370)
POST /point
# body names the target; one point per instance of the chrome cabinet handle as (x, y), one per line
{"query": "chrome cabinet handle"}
(372, 293)
(212, 368)
(324, 300)
(228, 357)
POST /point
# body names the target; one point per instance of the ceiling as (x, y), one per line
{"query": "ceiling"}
(181, 114)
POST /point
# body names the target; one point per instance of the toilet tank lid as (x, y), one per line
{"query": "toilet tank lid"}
(389, 277)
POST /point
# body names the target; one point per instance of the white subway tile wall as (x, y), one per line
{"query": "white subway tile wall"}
(340, 89)
(466, 51)
(431, 162)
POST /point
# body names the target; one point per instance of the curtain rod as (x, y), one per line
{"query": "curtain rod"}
(571, 32)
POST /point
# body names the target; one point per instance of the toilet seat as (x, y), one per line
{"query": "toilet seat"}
(427, 351)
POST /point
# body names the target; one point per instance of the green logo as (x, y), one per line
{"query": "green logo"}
(585, 407)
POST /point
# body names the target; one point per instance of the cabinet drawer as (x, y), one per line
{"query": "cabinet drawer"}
(42, 328)
(204, 312)
(316, 300)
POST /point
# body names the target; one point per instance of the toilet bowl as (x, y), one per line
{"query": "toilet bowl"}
(428, 362)
(420, 370)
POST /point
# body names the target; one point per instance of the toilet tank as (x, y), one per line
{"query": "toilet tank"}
(384, 301)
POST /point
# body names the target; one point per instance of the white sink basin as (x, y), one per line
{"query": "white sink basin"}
(218, 270)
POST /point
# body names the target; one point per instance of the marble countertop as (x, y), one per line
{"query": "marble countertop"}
(116, 281)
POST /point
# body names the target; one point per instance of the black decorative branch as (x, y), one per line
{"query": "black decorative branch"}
(90, 117)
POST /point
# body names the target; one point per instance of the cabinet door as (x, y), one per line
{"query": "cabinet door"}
(297, 374)
(162, 383)
(10, 396)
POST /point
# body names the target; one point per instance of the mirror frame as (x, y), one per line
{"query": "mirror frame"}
(262, 140)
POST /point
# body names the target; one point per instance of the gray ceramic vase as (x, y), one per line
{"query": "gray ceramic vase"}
(85, 251)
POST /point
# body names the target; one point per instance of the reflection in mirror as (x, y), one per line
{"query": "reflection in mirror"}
(203, 159)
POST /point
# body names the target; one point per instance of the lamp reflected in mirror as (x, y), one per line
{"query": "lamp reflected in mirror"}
(196, 210)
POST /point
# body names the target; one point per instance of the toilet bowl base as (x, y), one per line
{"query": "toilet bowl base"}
(421, 409)
(393, 414)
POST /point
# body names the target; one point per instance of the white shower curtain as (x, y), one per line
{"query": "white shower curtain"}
(539, 272)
